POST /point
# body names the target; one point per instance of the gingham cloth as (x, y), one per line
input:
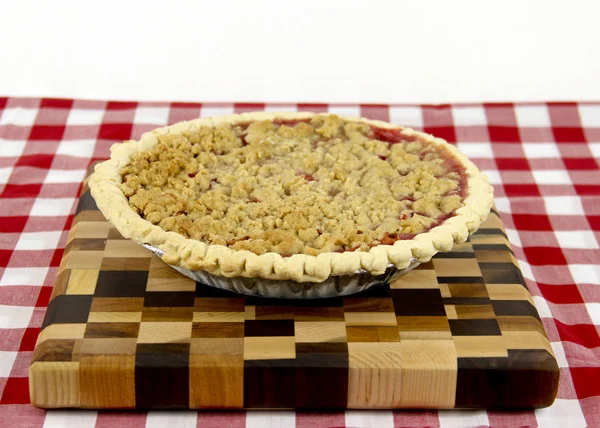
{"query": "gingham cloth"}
(543, 160)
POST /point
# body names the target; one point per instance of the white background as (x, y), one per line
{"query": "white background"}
(310, 50)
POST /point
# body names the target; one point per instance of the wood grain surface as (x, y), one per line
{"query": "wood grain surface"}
(124, 330)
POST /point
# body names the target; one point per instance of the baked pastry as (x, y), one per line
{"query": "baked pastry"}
(297, 196)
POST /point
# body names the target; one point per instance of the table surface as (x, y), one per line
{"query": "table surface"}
(543, 160)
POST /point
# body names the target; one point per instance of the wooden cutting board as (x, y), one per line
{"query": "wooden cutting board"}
(124, 330)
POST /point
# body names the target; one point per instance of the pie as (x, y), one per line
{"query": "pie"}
(291, 196)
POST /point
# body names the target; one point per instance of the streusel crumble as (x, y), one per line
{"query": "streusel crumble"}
(295, 187)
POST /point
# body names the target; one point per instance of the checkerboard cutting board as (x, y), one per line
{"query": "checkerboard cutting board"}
(124, 330)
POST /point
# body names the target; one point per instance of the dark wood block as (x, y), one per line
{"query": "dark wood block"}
(68, 309)
(269, 384)
(162, 375)
(514, 308)
(526, 378)
(418, 302)
(456, 255)
(219, 304)
(121, 283)
(474, 327)
(482, 382)
(169, 299)
(321, 375)
(269, 328)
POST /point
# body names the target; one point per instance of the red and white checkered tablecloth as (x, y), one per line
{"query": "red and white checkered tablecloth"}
(544, 162)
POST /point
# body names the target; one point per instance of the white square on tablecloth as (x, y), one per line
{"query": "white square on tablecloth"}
(5, 174)
(267, 419)
(411, 117)
(563, 205)
(536, 116)
(77, 148)
(584, 239)
(172, 419)
(370, 418)
(559, 353)
(595, 149)
(589, 115)
(526, 270)
(15, 316)
(18, 116)
(24, 276)
(563, 413)
(513, 237)
(476, 150)
(502, 204)
(541, 150)
(85, 116)
(210, 111)
(151, 116)
(7, 359)
(11, 148)
(38, 241)
(594, 311)
(349, 110)
(469, 116)
(585, 274)
(65, 176)
(493, 176)
(463, 418)
(551, 176)
(71, 419)
(49, 207)
(542, 307)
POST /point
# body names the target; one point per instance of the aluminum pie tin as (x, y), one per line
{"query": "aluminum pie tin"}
(333, 286)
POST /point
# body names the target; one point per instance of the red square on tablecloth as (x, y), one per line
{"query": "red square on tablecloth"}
(29, 338)
(58, 103)
(115, 131)
(16, 391)
(445, 132)
(586, 381)
(568, 135)
(47, 132)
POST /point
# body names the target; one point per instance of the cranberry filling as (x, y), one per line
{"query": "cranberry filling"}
(233, 241)
(290, 122)
(391, 136)
(307, 177)
(390, 238)
(454, 166)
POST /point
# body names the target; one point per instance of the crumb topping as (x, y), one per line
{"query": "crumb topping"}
(294, 187)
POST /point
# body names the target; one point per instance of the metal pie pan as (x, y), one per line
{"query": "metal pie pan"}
(334, 286)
